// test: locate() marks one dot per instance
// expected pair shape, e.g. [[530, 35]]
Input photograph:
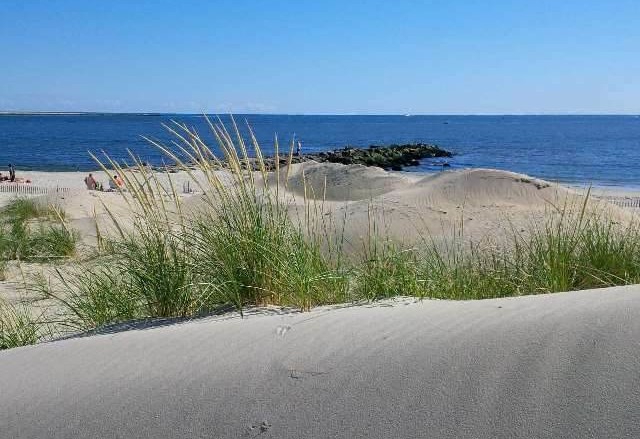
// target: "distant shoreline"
[[126, 113], [76, 113]]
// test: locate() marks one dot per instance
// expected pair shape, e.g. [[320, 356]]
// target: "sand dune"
[[562, 365], [336, 182], [487, 204], [404, 206]]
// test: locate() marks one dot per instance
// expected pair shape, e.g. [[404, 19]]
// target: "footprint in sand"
[[282, 330]]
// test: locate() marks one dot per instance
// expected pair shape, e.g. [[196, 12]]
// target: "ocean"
[[598, 150]]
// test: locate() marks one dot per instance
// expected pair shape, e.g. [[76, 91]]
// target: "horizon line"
[[153, 113]]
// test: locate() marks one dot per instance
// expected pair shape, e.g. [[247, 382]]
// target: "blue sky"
[[313, 57]]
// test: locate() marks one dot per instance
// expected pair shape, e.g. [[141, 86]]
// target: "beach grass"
[[242, 248], [33, 233], [18, 327], [25, 209], [571, 250]]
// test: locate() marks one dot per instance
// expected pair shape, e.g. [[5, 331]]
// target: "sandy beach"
[[549, 366], [407, 206]]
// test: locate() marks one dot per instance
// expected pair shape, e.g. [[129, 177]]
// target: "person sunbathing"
[[116, 183], [90, 182]]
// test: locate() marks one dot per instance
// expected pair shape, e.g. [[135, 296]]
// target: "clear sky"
[[329, 56]]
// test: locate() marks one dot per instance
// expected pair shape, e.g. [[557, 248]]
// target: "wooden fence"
[[27, 189], [627, 202]]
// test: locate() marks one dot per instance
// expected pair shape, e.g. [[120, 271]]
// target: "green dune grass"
[[30, 232]]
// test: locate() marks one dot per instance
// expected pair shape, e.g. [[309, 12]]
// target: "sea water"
[[598, 150]]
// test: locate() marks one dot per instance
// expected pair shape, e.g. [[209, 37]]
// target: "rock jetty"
[[389, 157]]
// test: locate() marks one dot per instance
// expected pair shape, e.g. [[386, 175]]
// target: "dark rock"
[[394, 157]]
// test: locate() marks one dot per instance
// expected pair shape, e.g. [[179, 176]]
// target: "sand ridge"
[[557, 365]]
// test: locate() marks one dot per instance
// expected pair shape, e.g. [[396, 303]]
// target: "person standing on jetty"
[[12, 173], [299, 148]]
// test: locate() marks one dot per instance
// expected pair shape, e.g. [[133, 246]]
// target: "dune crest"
[[337, 182], [536, 366]]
